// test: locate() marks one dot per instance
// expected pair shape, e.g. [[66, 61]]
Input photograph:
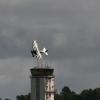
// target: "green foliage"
[[91, 94], [87, 94], [24, 97], [67, 94], [5, 99], [58, 96]]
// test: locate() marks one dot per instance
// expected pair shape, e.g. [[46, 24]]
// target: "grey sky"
[[70, 29]]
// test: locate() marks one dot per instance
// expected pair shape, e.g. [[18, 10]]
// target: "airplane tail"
[[44, 51]]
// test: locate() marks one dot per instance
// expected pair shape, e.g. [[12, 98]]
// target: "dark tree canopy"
[[24, 97], [5, 99], [88, 94], [67, 94]]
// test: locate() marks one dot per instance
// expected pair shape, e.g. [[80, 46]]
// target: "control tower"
[[42, 83]]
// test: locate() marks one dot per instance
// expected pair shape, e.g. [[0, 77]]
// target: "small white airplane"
[[36, 52]]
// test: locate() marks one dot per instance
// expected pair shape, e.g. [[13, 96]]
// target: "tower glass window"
[[37, 81], [37, 96], [37, 88]]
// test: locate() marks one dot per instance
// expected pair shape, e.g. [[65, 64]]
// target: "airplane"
[[36, 52]]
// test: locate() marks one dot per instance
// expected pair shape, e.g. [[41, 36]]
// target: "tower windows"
[[46, 87], [37, 82], [37, 88]]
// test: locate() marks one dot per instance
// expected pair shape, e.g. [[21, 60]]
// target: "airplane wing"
[[34, 45], [35, 48]]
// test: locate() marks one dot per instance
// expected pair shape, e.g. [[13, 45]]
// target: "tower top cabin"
[[42, 72]]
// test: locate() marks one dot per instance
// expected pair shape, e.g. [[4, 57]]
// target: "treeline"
[[67, 94], [88, 94], [5, 99], [22, 97]]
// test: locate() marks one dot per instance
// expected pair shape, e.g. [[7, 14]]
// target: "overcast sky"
[[70, 29]]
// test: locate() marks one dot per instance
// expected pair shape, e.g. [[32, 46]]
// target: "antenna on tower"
[[41, 64], [46, 64], [38, 63], [50, 63]]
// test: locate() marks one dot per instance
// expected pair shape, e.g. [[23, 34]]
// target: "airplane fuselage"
[[33, 52]]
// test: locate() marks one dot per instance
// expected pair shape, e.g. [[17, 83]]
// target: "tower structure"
[[42, 83]]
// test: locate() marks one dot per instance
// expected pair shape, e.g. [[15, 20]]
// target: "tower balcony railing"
[[44, 76], [52, 90]]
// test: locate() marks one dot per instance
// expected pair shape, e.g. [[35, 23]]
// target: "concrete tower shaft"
[[42, 83]]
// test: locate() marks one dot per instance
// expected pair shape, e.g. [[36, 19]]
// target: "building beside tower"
[[42, 83]]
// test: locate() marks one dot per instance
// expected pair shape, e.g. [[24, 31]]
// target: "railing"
[[55, 90], [42, 76]]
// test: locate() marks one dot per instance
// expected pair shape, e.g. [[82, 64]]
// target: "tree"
[[58, 96], [65, 90], [67, 94], [96, 93], [90, 94], [21, 97], [24, 97], [7, 99], [28, 96]]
